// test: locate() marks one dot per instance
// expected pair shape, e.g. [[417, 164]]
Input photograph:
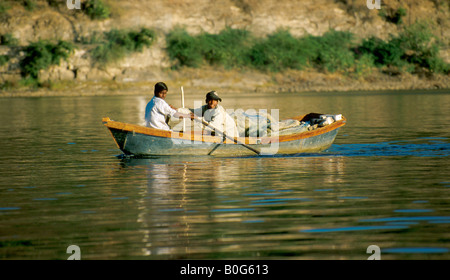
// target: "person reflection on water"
[[158, 109], [215, 115]]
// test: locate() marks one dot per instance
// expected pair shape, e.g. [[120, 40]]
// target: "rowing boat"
[[142, 141]]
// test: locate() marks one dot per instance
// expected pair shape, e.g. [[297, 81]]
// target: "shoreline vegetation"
[[235, 60]]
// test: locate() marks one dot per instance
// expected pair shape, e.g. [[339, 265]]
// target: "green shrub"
[[279, 51], [364, 65], [4, 7], [40, 55], [55, 3], [96, 9], [29, 82], [421, 47], [119, 43], [393, 16], [414, 46], [29, 5], [382, 52], [144, 38], [334, 51], [3, 59], [6, 85], [183, 47], [228, 48], [94, 38], [8, 40]]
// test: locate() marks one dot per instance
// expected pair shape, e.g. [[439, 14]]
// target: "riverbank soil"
[[240, 81]]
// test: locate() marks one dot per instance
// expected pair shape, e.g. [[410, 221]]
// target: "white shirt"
[[155, 113], [219, 119]]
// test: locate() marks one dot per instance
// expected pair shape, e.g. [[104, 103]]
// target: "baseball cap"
[[213, 95]]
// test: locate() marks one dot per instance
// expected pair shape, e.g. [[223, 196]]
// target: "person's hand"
[[186, 116], [209, 132]]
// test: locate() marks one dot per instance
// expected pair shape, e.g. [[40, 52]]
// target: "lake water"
[[385, 181]]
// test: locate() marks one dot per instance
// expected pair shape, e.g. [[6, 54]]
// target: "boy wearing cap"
[[215, 115], [157, 109]]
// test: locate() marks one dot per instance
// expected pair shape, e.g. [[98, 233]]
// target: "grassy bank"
[[414, 50], [240, 81]]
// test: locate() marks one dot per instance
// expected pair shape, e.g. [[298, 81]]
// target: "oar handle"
[[182, 106]]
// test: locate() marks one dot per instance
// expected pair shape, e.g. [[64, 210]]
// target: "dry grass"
[[201, 80]]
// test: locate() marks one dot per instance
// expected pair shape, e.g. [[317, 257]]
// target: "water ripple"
[[393, 148], [397, 219], [356, 228], [413, 210], [9, 208], [416, 250]]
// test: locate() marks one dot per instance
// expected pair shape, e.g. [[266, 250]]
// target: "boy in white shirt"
[[157, 109]]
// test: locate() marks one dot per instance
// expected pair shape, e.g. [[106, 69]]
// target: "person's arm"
[[181, 115], [167, 109]]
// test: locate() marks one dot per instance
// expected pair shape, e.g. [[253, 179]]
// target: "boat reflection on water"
[[188, 203]]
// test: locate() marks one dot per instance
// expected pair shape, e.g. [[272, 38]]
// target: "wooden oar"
[[226, 136], [182, 106], [215, 147]]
